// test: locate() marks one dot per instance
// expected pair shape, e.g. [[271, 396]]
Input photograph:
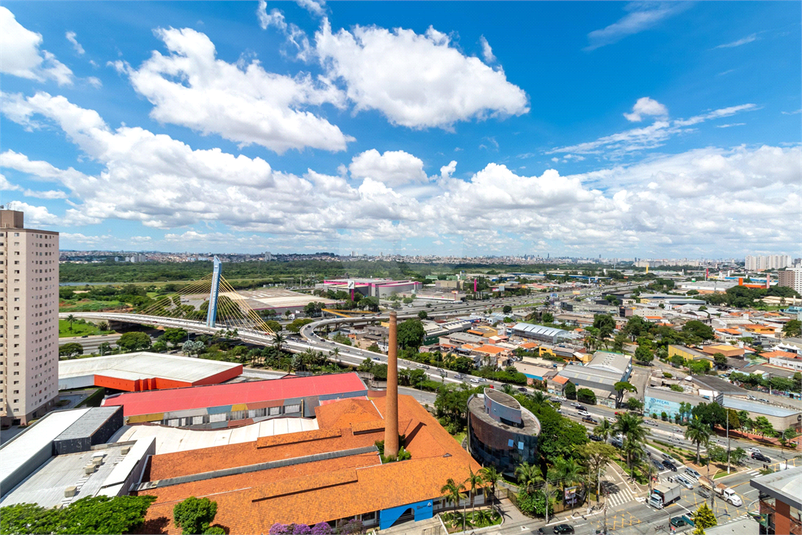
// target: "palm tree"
[[631, 427], [70, 319], [528, 476], [604, 429], [474, 480], [278, 341], [566, 473], [539, 397], [491, 476], [698, 433], [507, 389], [453, 492]]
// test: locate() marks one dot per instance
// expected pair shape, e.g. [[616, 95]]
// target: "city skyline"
[[626, 130]]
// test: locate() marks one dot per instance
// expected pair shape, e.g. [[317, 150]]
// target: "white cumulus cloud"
[[418, 81], [20, 54], [393, 168], [242, 103], [72, 38], [646, 106]]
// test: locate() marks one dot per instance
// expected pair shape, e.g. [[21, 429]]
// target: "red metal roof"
[[201, 397]]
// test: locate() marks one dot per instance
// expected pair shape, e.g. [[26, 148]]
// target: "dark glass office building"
[[501, 433]]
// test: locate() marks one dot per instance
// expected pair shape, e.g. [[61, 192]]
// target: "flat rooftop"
[[785, 485], [87, 424], [174, 439], [46, 485], [21, 449], [144, 365]]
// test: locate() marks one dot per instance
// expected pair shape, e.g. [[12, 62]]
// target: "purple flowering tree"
[[321, 528]]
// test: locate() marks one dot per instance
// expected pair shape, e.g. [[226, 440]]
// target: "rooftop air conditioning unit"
[[70, 491], [90, 469]]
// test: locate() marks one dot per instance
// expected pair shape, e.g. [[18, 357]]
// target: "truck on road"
[[664, 494], [724, 492]]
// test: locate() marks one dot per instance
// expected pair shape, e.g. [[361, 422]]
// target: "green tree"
[[175, 336], [586, 395], [604, 429], [595, 457], [566, 473], [620, 387], [71, 320], [194, 515], [92, 515], [719, 360], [529, 476], [506, 309], [273, 325], [295, 325], [422, 314], [634, 404], [491, 477], [605, 324], [453, 491], [698, 433], [473, 481], [134, 341], [570, 390], [411, 334], [704, 517], [630, 426], [644, 355], [70, 349], [697, 329], [793, 328], [764, 426]]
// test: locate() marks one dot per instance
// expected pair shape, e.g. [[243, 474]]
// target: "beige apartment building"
[[28, 320]]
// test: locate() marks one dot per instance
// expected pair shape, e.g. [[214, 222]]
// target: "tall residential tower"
[[28, 319]]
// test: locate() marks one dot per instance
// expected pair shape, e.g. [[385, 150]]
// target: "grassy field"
[[78, 329], [89, 305]]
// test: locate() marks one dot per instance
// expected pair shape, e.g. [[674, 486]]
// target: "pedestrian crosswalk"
[[753, 472], [621, 497]]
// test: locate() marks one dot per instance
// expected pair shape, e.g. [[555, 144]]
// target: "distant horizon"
[[110, 252], [463, 129]]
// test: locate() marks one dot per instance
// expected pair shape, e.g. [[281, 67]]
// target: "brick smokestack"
[[391, 404]]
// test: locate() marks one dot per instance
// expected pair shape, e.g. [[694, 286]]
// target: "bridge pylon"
[[211, 313]]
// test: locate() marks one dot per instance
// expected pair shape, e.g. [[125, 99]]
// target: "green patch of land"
[[79, 328]]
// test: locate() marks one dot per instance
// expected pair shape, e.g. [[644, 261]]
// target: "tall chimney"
[[391, 404]]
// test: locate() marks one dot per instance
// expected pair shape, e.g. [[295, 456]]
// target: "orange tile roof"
[[529, 345], [492, 350], [559, 379], [316, 491], [785, 354]]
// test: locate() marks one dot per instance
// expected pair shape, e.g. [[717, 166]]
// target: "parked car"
[[563, 528], [760, 457], [671, 466], [684, 481], [754, 450], [595, 438], [693, 473], [678, 522]]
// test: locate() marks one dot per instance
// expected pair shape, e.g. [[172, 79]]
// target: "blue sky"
[[621, 129]]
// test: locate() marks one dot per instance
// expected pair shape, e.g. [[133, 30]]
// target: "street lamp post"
[[728, 440]]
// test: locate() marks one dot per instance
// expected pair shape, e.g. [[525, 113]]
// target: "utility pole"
[[728, 440], [547, 499]]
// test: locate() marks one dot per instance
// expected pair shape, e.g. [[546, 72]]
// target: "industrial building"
[[501, 432], [544, 334], [380, 288], [64, 457], [226, 405], [28, 338], [600, 375], [659, 400], [136, 372]]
